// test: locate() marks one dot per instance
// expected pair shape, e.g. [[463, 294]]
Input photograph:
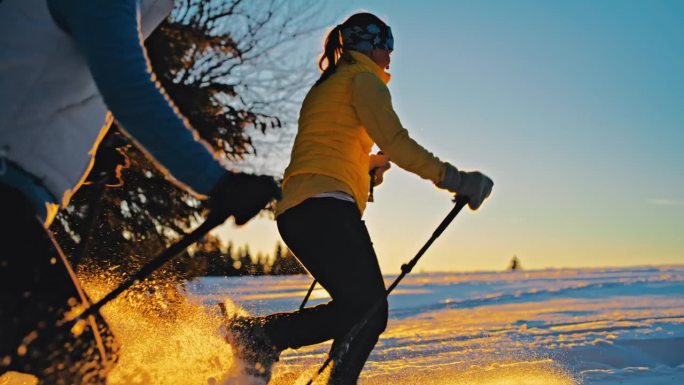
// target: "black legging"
[[329, 238], [36, 289]]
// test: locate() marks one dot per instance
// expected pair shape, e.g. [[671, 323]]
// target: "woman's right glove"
[[474, 185], [378, 164], [242, 196]]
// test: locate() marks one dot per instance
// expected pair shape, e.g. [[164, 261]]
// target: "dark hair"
[[333, 48]]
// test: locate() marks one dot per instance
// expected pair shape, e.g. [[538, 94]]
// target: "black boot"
[[252, 347]]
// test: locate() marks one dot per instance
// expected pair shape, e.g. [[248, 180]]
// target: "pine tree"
[[285, 263]]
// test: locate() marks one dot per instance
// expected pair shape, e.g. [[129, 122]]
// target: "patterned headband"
[[366, 38]]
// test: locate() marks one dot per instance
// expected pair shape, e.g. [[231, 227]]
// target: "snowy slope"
[[589, 326], [552, 327]]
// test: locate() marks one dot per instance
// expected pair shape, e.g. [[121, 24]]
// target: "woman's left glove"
[[474, 185], [242, 196]]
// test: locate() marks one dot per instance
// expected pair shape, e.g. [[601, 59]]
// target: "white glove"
[[474, 185]]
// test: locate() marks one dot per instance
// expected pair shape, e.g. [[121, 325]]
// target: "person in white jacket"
[[63, 65]]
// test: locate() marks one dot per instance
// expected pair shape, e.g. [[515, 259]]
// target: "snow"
[[573, 326]]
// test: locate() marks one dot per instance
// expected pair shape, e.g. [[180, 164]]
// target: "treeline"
[[215, 258]]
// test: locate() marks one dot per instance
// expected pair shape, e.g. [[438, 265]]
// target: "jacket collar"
[[365, 60]]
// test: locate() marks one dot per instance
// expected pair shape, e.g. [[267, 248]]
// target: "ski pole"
[[405, 269], [152, 266], [308, 294]]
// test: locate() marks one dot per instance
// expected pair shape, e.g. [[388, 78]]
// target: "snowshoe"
[[252, 348]]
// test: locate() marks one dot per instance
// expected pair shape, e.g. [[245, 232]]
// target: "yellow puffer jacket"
[[339, 122]]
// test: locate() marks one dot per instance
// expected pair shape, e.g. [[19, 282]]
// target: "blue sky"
[[573, 108]]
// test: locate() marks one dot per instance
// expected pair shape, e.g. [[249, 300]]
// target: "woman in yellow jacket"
[[325, 190]]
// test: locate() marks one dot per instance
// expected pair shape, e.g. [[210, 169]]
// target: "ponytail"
[[332, 50]]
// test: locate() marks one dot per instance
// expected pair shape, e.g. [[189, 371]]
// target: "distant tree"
[[260, 265], [234, 263], [276, 264], [212, 257], [245, 258], [285, 263], [515, 264], [217, 259]]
